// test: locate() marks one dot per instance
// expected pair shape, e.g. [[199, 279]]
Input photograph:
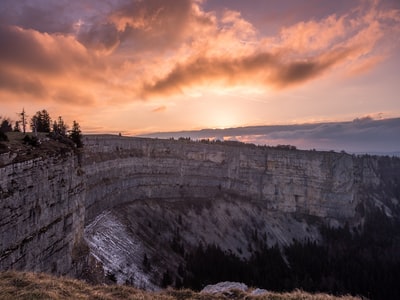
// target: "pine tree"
[[76, 134], [41, 121], [166, 280], [17, 127], [5, 125], [59, 127]]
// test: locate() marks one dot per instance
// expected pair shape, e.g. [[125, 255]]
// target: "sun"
[[222, 119]]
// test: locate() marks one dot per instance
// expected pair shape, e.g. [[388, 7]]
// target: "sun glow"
[[222, 119], [144, 66]]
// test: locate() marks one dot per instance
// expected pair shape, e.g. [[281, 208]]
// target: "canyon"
[[122, 201]]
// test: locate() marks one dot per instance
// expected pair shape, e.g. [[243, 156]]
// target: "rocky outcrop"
[[224, 287]]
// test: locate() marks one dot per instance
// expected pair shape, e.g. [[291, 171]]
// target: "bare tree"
[[23, 119]]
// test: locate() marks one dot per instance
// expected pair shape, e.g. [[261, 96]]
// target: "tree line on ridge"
[[41, 122]]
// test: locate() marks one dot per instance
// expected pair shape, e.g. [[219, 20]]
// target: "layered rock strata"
[[321, 184], [46, 202], [41, 214]]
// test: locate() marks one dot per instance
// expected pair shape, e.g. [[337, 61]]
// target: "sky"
[[141, 66], [359, 136]]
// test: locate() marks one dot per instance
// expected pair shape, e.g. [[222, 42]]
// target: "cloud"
[[364, 135], [139, 26], [37, 16], [152, 16], [365, 65], [102, 37], [159, 109], [303, 51], [308, 36], [14, 53], [122, 51], [266, 68], [22, 84], [66, 95], [41, 65]]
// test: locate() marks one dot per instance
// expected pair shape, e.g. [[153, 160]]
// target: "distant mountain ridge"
[[360, 136]]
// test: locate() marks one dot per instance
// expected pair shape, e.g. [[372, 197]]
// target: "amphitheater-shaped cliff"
[[119, 187], [329, 185]]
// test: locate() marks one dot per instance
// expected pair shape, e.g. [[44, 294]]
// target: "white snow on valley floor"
[[121, 255]]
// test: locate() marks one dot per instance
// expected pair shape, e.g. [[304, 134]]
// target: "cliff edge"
[[47, 201]]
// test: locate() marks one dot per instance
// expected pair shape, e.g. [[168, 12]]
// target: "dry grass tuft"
[[39, 286]]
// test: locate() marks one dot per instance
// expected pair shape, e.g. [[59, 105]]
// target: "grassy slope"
[[23, 152], [18, 285]]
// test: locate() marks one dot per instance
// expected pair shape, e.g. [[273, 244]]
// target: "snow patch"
[[120, 254]]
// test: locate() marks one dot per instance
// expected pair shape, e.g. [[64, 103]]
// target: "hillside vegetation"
[[21, 147], [18, 285]]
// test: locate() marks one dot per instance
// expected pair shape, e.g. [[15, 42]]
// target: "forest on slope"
[[347, 261]]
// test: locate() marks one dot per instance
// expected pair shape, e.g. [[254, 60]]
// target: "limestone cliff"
[[323, 184], [41, 214], [45, 202]]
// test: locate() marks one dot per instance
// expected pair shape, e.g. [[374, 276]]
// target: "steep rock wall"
[[321, 184], [41, 214], [45, 202], [196, 193]]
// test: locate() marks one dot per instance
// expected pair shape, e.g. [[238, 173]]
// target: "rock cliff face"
[[41, 214], [155, 198], [321, 184], [45, 203]]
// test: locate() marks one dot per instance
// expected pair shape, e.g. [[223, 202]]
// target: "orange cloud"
[[305, 37], [37, 64], [150, 48], [152, 24], [159, 109], [365, 65], [266, 68], [20, 84], [301, 52], [30, 50]]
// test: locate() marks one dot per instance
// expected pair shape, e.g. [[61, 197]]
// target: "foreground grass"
[[37, 286]]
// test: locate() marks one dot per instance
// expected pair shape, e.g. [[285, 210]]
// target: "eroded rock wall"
[[45, 202], [41, 214], [321, 184], [157, 197]]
